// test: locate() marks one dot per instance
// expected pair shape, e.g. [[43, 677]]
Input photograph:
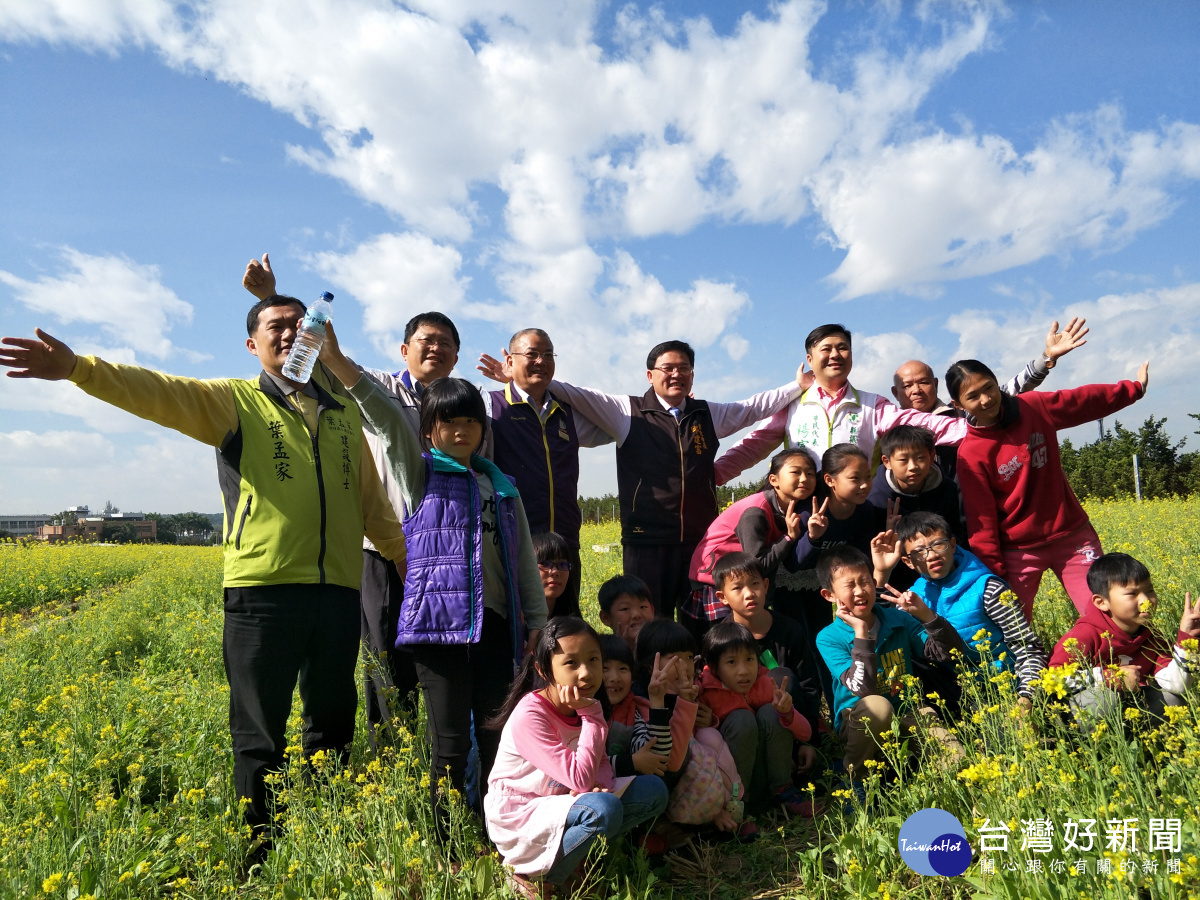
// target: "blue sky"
[[944, 178]]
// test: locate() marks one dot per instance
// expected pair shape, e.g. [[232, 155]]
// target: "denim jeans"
[[606, 814]]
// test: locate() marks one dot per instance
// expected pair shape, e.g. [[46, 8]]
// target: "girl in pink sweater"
[[551, 791]]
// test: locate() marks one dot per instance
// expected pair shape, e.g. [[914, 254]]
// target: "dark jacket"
[[665, 478], [542, 458]]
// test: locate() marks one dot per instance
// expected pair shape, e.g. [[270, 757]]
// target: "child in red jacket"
[[756, 716], [1120, 655], [1022, 516]]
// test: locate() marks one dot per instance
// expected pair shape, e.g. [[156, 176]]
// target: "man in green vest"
[[300, 491]]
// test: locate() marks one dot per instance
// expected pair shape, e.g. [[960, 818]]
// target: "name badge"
[[562, 433]]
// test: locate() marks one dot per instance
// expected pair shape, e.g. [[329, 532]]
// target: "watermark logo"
[[933, 842]]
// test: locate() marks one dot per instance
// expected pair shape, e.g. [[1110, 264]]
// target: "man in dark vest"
[[300, 490], [535, 439], [666, 445], [430, 352]]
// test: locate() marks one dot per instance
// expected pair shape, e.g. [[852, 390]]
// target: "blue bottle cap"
[[327, 297]]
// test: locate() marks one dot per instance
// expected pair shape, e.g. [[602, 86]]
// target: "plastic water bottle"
[[309, 338]]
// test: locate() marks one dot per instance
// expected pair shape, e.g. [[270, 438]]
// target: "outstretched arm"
[[752, 449], [203, 410]]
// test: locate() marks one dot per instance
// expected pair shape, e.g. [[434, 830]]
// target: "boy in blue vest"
[[869, 649], [954, 584]]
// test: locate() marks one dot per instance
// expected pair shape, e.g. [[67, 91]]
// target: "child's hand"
[[648, 761], [660, 676], [1124, 678], [886, 551], [492, 368], [859, 626], [818, 521], [1189, 622], [782, 700], [570, 698], [892, 514], [724, 821], [704, 716], [910, 603], [806, 757], [683, 680], [793, 521]]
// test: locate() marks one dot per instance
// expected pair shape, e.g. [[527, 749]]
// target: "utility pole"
[[1137, 479]]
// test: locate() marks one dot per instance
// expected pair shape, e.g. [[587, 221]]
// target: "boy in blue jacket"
[[954, 584], [869, 649]]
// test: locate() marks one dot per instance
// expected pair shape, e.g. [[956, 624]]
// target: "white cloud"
[[126, 301], [49, 471], [396, 276], [878, 356], [418, 107]]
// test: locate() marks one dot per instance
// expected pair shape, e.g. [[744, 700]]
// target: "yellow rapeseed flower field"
[[115, 769]]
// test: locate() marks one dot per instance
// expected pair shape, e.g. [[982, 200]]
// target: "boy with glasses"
[[955, 585]]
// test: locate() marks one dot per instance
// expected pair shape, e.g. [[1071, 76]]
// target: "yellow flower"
[[52, 884]]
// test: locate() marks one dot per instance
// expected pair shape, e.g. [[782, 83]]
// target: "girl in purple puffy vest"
[[473, 598]]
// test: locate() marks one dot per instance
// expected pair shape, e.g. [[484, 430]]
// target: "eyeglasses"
[[556, 565], [436, 343], [936, 547], [533, 355], [674, 370]]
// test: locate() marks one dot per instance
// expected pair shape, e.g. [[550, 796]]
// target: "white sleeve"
[[609, 413], [1176, 675], [729, 418]]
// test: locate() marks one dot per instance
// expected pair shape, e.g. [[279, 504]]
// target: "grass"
[[115, 769]]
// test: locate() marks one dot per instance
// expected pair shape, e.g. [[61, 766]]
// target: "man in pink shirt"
[[830, 412]]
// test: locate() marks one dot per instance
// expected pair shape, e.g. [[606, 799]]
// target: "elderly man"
[[535, 439], [916, 387], [430, 352], [300, 491]]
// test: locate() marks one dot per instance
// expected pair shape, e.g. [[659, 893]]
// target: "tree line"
[[1102, 469]]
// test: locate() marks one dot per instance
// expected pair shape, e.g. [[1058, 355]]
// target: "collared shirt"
[[304, 399], [547, 400], [676, 411], [828, 401]]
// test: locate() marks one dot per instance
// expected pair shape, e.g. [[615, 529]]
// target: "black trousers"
[[664, 568], [274, 635], [389, 676], [458, 680]]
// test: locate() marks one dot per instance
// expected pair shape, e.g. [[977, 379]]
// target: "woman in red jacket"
[[1022, 516]]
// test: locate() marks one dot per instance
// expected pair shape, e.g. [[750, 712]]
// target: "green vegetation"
[[115, 772]]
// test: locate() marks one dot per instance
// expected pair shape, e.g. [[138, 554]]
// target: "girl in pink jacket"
[[551, 791]]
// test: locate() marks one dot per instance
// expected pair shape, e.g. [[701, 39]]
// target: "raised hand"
[[893, 514], [1060, 343], [857, 624], [660, 675], [886, 551], [793, 521], [493, 368], [804, 377], [649, 761], [683, 681], [781, 699], [1143, 376], [334, 360], [1189, 622], [46, 358], [911, 603], [259, 279], [818, 521], [569, 697]]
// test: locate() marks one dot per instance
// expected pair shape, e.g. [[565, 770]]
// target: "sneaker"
[[653, 844], [796, 804]]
